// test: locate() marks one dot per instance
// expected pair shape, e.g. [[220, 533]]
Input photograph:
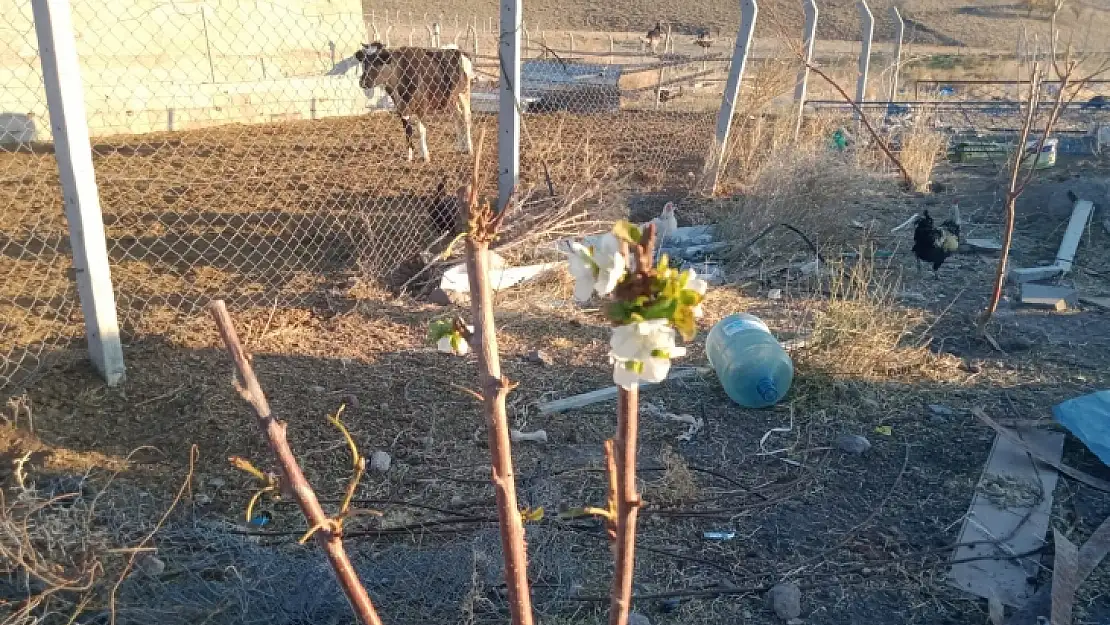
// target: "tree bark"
[[293, 481], [628, 505], [494, 388]]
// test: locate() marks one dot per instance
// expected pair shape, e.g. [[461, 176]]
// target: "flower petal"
[[444, 345], [624, 377]]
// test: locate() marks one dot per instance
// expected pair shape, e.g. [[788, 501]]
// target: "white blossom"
[[642, 352], [596, 270], [699, 286], [454, 343], [581, 266], [610, 264]]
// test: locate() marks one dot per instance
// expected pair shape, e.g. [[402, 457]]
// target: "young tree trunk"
[[628, 505], [293, 481], [494, 388]]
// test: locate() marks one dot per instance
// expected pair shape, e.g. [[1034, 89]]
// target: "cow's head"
[[374, 58]]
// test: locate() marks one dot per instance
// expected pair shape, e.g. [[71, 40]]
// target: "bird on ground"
[[932, 244], [665, 224]]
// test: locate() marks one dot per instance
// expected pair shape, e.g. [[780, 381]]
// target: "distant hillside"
[[990, 24]]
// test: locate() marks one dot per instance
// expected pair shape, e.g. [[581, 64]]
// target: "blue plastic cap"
[[767, 390]]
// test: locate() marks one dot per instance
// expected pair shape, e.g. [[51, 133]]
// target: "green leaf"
[[618, 311], [627, 231], [662, 309], [439, 329]]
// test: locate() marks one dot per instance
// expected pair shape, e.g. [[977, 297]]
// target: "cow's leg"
[[408, 135], [423, 141], [462, 121]]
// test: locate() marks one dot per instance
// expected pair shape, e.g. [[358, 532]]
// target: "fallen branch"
[[293, 481]]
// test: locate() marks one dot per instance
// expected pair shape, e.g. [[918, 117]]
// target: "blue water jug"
[[749, 361]]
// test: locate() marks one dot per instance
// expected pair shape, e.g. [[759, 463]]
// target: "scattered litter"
[[996, 612], [941, 410], [380, 461], [455, 279], [1050, 297], [786, 600], [539, 357], [763, 451], [604, 394], [912, 296], [539, 436], [1029, 274], [870, 225], [905, 224], [695, 424], [1065, 574], [885, 430], [262, 519], [316, 389], [1087, 417], [1013, 500], [774, 294], [853, 443], [718, 535]]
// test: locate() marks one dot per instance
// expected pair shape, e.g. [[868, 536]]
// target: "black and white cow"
[[421, 81]]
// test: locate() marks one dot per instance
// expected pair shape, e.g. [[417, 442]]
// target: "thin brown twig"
[[292, 479], [194, 452]]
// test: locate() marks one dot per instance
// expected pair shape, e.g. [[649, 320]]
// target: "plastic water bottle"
[[750, 363]]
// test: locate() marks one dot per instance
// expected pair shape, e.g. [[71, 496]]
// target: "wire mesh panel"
[[39, 310]]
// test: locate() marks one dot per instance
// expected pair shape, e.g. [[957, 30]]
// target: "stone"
[[150, 564], [539, 357], [351, 400], [216, 482], [635, 618], [786, 600], [853, 443], [775, 294], [448, 298], [316, 389], [380, 461]]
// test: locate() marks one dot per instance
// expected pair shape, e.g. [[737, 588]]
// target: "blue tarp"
[[1088, 418]]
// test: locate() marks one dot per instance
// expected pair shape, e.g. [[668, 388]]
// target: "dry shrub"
[[807, 189], [677, 484], [860, 331], [922, 145]]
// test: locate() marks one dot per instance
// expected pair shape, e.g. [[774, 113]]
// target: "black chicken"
[[932, 244]]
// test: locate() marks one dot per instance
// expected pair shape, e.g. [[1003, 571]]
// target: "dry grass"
[[922, 145]]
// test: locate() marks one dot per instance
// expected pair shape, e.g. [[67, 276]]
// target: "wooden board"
[[990, 519]]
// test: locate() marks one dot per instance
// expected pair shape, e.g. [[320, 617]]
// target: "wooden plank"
[[1044, 296], [1020, 504], [1035, 273], [1080, 215]]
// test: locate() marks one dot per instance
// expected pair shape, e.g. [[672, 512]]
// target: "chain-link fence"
[[238, 156]]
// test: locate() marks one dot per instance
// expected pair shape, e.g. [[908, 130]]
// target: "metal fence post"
[[508, 116], [73, 151], [867, 31], [810, 8], [749, 10], [899, 33]]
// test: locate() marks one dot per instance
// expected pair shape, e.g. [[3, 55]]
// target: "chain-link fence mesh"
[[238, 156]]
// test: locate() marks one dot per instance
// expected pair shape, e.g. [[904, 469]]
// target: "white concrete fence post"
[[810, 9], [867, 32], [899, 35], [749, 11], [73, 151], [508, 115]]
